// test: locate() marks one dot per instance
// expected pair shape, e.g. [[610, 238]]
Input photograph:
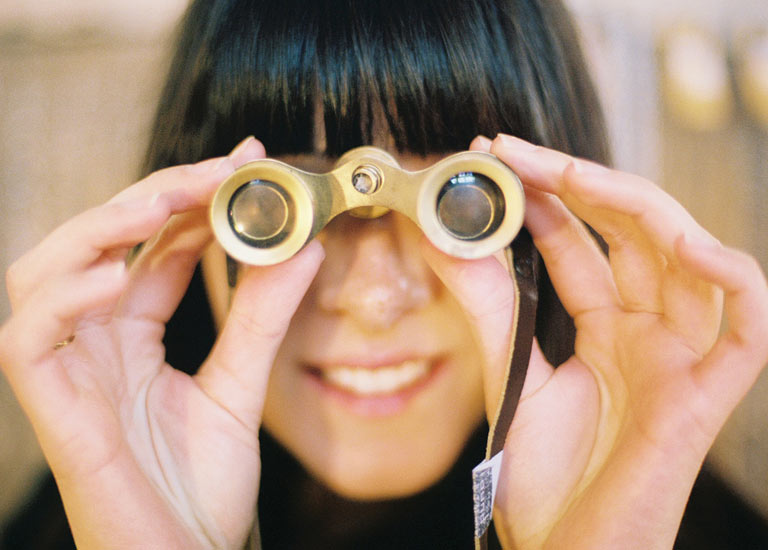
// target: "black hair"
[[435, 72], [439, 71]]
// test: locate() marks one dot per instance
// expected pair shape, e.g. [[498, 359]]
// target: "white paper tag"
[[485, 479]]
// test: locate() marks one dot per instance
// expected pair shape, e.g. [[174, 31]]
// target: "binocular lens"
[[470, 206], [261, 214]]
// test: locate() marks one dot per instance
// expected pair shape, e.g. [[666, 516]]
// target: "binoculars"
[[469, 205]]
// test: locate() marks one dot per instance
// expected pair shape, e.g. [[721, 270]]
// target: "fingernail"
[[483, 142], [240, 147], [514, 142], [589, 168]]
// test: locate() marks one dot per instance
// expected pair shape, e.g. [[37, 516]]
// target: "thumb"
[[486, 293], [236, 373]]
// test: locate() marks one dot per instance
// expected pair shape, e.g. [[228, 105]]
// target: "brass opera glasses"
[[468, 205]]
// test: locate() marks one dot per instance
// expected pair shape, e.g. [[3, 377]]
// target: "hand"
[[144, 455], [604, 449]]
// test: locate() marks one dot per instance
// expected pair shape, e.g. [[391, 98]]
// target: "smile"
[[384, 380]]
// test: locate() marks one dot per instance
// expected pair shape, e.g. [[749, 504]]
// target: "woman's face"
[[377, 385]]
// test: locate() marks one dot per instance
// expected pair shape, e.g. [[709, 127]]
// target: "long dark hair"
[[436, 72]]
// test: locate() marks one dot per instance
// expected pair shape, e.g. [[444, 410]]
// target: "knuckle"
[[746, 261], [751, 271], [257, 325], [622, 236], [755, 270]]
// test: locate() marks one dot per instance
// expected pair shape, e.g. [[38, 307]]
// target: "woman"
[[604, 449]]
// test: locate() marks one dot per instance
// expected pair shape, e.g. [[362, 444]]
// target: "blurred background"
[[684, 85]]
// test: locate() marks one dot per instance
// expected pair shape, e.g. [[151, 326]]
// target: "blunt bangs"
[[433, 74]]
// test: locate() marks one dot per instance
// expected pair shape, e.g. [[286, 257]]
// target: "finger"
[[636, 265], [116, 226], [590, 190], [246, 151], [52, 314], [575, 263], [639, 222], [732, 366], [659, 216], [537, 167], [577, 267], [481, 143], [194, 183], [83, 240], [236, 373], [642, 240], [486, 293], [161, 273], [131, 217]]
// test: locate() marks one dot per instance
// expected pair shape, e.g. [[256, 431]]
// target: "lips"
[[375, 387]]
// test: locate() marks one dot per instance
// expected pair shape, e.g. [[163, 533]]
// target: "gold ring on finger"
[[64, 343]]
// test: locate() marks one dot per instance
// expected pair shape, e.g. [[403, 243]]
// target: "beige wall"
[[77, 94], [78, 82]]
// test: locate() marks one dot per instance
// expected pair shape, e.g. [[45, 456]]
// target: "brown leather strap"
[[522, 258]]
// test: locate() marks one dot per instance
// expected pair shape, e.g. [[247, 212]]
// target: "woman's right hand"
[[144, 455]]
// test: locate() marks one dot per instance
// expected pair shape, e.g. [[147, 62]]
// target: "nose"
[[373, 271]]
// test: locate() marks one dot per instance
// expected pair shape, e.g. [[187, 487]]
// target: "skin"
[[602, 452]]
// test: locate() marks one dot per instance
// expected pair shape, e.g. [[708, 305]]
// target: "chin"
[[368, 484]]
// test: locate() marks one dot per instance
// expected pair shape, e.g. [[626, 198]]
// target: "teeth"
[[378, 381]]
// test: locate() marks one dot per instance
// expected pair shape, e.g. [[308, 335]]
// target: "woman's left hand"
[[604, 449]]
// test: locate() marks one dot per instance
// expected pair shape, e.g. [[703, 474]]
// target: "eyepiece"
[[470, 206], [261, 213]]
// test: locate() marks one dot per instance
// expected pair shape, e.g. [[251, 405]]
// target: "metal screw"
[[366, 179]]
